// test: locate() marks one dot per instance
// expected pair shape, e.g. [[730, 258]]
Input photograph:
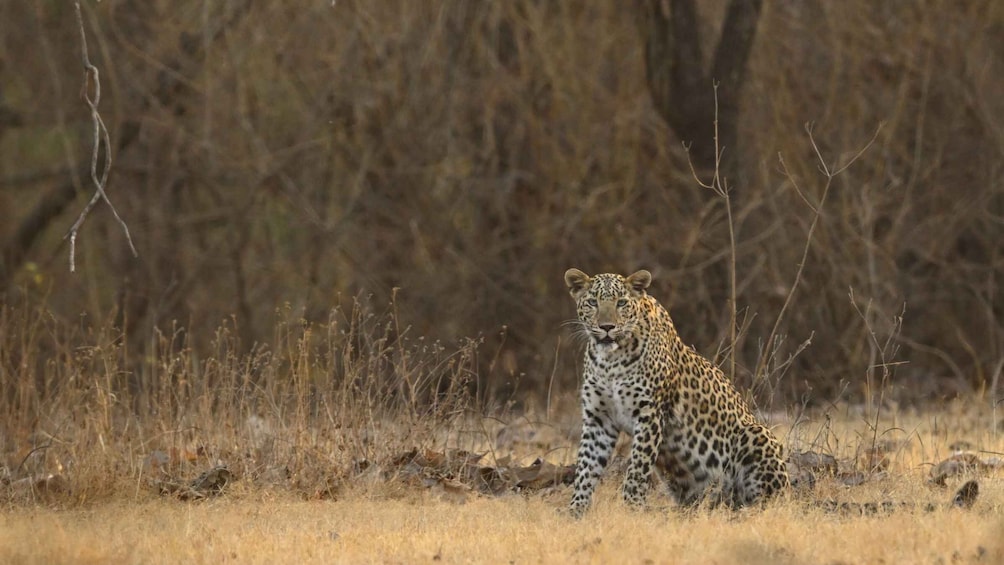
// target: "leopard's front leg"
[[645, 441], [595, 449]]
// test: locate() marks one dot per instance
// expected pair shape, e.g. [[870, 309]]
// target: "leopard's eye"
[[590, 302], [622, 303]]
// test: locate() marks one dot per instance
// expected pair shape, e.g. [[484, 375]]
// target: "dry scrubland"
[[445, 162], [309, 428]]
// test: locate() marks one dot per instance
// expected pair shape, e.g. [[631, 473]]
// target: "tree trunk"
[[682, 89]]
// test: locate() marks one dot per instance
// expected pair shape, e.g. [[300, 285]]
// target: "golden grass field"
[[417, 529], [340, 443], [390, 521]]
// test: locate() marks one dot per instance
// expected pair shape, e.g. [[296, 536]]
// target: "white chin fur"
[[607, 347]]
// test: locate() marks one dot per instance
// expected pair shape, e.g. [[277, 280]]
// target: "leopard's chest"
[[617, 392]]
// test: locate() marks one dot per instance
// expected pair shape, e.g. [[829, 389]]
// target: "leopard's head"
[[610, 307]]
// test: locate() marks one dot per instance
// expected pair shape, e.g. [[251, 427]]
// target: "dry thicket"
[[312, 407], [288, 156]]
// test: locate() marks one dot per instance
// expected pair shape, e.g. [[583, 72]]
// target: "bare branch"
[[817, 213], [719, 184], [100, 137], [861, 152], [794, 184], [693, 171]]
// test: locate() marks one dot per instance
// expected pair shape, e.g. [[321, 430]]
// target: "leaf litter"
[[454, 475]]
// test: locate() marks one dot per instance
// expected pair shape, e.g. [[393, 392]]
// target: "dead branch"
[[830, 172], [100, 137], [719, 184]]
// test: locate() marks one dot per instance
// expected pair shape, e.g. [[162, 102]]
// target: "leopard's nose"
[[608, 327]]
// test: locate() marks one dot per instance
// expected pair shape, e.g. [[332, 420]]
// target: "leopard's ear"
[[577, 282], [639, 281]]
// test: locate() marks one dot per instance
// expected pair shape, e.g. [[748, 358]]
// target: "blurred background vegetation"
[[278, 158]]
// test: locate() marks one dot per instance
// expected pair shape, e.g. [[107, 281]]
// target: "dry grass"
[[270, 156], [294, 420], [367, 527], [513, 530]]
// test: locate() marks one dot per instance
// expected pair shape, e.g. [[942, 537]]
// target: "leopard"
[[682, 414]]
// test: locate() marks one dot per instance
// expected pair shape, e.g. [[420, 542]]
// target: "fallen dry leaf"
[[541, 474], [207, 484], [441, 470], [853, 478], [44, 484], [804, 465], [814, 461], [962, 463], [966, 496], [433, 465], [452, 491]]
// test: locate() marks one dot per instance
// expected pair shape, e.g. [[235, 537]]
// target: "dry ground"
[[362, 529], [388, 522]]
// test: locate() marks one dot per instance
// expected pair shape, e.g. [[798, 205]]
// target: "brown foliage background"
[[301, 153]]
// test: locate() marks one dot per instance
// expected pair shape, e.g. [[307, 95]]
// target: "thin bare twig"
[[885, 352], [100, 136], [720, 185], [830, 173]]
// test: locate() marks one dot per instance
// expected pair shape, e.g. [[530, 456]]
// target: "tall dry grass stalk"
[[308, 404]]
